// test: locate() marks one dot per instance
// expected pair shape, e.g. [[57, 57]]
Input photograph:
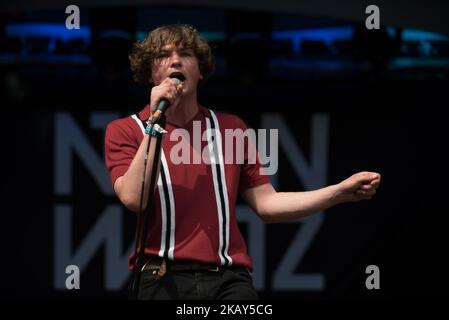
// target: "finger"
[[173, 97], [176, 81], [173, 90], [372, 185], [366, 176], [366, 192], [375, 184], [169, 96], [165, 82], [178, 89], [376, 177], [175, 93], [170, 85], [366, 187], [170, 80]]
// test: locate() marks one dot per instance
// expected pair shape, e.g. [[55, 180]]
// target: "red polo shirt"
[[193, 213]]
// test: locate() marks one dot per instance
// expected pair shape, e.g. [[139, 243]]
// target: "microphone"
[[163, 105]]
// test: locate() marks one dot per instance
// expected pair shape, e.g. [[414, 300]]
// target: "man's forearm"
[[289, 206], [130, 186]]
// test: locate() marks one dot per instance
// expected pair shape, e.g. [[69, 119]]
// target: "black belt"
[[155, 263]]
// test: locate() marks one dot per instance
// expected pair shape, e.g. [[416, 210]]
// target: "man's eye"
[[186, 54], [162, 55]]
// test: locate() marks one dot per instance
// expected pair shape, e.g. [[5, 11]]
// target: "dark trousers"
[[226, 284]]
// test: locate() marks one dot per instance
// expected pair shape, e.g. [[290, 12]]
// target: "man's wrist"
[[336, 194]]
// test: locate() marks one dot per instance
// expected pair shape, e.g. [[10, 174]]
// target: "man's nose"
[[175, 59]]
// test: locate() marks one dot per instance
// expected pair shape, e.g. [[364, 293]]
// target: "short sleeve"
[[120, 149], [252, 171]]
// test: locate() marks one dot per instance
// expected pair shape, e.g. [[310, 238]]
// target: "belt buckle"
[[153, 264], [214, 269]]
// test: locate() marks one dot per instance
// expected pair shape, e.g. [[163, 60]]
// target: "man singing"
[[193, 248]]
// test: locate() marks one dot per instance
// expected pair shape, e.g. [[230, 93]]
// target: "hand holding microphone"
[[163, 96]]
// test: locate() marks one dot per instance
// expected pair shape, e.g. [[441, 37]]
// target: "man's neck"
[[184, 111]]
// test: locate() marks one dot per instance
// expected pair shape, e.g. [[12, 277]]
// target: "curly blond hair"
[[144, 52]]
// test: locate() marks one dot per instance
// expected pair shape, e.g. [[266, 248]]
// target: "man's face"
[[179, 63]]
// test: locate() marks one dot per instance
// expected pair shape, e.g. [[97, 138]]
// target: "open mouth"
[[178, 75]]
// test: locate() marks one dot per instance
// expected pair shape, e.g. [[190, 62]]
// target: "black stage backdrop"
[[59, 209]]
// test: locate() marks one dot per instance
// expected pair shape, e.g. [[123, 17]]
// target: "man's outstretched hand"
[[359, 186]]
